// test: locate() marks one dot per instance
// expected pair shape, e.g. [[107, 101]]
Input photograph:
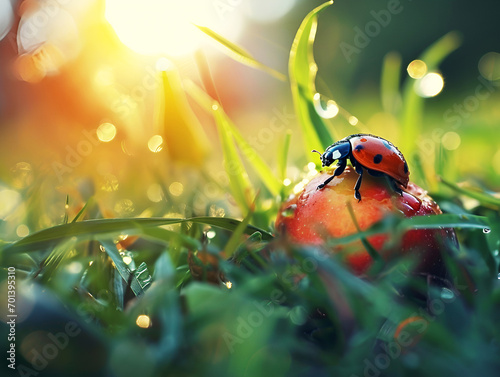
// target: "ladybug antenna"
[[315, 151]]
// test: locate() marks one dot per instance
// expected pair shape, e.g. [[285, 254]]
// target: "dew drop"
[[289, 211], [498, 276], [447, 294], [486, 230], [326, 108]]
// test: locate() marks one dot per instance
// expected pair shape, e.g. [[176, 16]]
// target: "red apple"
[[313, 216]]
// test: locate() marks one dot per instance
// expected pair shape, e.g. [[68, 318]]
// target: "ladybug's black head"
[[336, 151]]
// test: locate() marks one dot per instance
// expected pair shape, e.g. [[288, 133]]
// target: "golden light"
[[143, 321], [22, 230], [353, 120], [417, 69], [74, 267], [451, 140], [106, 132], [287, 181], [155, 144], [430, 85], [228, 284], [155, 193], [127, 260], [154, 27], [176, 188], [9, 200]]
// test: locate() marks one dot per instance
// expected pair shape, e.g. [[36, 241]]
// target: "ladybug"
[[378, 156]]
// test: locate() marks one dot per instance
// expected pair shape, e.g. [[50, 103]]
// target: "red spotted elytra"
[[376, 155]]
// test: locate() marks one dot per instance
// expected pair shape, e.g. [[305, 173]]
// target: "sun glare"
[[153, 27]]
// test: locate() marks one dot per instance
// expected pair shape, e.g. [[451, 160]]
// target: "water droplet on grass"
[[486, 230], [289, 211], [447, 294]]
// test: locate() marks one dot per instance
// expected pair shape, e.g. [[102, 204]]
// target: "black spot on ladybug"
[[377, 158], [358, 148], [405, 167]]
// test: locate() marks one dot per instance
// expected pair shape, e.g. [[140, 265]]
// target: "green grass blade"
[[256, 162], [239, 54], [80, 212], [283, 156], [394, 225], [302, 77], [136, 285], [413, 104], [389, 88], [235, 240], [89, 229], [239, 183], [481, 197], [66, 206]]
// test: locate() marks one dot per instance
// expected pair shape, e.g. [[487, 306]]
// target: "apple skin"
[[313, 216]]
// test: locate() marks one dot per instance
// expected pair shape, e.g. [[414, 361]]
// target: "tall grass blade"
[[239, 54], [302, 71]]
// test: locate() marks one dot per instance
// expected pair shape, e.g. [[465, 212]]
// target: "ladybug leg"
[[340, 169], [359, 170], [395, 186]]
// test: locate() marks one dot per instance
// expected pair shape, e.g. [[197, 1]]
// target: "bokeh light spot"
[[489, 66], [417, 69], [163, 64], [74, 267], [430, 85], [155, 193], [9, 200], [353, 120], [22, 230], [143, 321], [176, 188], [106, 132], [109, 183], [451, 140], [155, 144]]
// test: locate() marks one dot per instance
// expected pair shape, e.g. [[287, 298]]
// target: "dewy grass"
[[282, 309]]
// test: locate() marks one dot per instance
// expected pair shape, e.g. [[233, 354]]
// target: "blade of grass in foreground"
[[302, 70], [137, 285], [481, 197], [394, 225], [239, 54], [89, 229]]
